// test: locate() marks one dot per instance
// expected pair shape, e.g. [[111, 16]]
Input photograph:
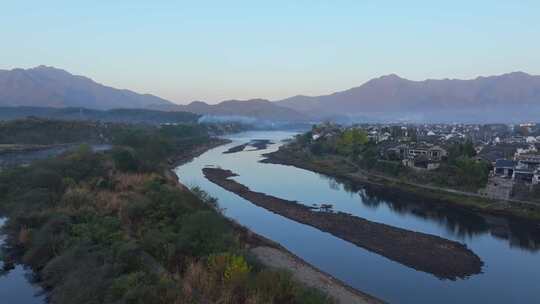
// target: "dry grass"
[[105, 201], [202, 285], [110, 201], [125, 182], [196, 279], [76, 199], [24, 236]]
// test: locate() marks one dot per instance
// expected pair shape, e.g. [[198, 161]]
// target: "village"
[[511, 152]]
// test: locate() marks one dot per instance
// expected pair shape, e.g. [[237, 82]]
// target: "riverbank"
[[340, 169], [186, 156], [275, 256], [413, 249], [310, 276]]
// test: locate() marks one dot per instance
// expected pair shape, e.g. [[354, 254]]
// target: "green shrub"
[[274, 286], [104, 231], [312, 296], [125, 160], [231, 268], [204, 233]]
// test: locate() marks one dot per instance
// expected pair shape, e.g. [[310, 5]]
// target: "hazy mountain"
[[255, 108], [50, 87], [508, 97], [504, 98]]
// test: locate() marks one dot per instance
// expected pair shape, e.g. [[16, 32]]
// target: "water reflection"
[[458, 222], [508, 248], [17, 283]]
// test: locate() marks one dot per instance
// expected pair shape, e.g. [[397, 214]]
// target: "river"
[[16, 286], [509, 249]]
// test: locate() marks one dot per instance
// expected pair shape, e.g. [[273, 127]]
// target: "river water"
[[15, 286], [510, 250]]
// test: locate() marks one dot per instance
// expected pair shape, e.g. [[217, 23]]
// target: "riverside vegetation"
[[113, 227], [350, 155]]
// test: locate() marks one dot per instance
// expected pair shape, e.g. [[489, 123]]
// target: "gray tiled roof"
[[505, 163]]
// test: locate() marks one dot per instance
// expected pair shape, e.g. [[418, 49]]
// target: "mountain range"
[[45, 86], [512, 96], [503, 98]]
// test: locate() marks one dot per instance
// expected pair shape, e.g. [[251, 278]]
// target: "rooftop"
[[507, 163]]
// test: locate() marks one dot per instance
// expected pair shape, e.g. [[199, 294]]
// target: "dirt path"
[[308, 275]]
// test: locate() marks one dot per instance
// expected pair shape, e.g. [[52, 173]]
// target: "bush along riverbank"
[[443, 258], [341, 168], [112, 227]]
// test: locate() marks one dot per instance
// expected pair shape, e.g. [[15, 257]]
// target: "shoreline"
[[181, 159], [528, 212], [274, 255], [412, 249]]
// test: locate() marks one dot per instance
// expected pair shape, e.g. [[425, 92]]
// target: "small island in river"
[[428, 253], [257, 144]]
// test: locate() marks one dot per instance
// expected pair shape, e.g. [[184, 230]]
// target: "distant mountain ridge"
[[45, 86], [254, 108], [509, 97], [513, 95]]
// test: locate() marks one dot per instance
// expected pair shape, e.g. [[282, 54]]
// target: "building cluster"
[[417, 155], [512, 150], [523, 168]]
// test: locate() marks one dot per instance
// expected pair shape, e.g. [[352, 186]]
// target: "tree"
[[125, 160], [204, 233], [413, 134], [458, 150], [351, 142]]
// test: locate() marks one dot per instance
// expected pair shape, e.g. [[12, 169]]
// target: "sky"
[[219, 50]]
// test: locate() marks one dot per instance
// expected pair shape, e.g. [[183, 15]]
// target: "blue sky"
[[216, 50]]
